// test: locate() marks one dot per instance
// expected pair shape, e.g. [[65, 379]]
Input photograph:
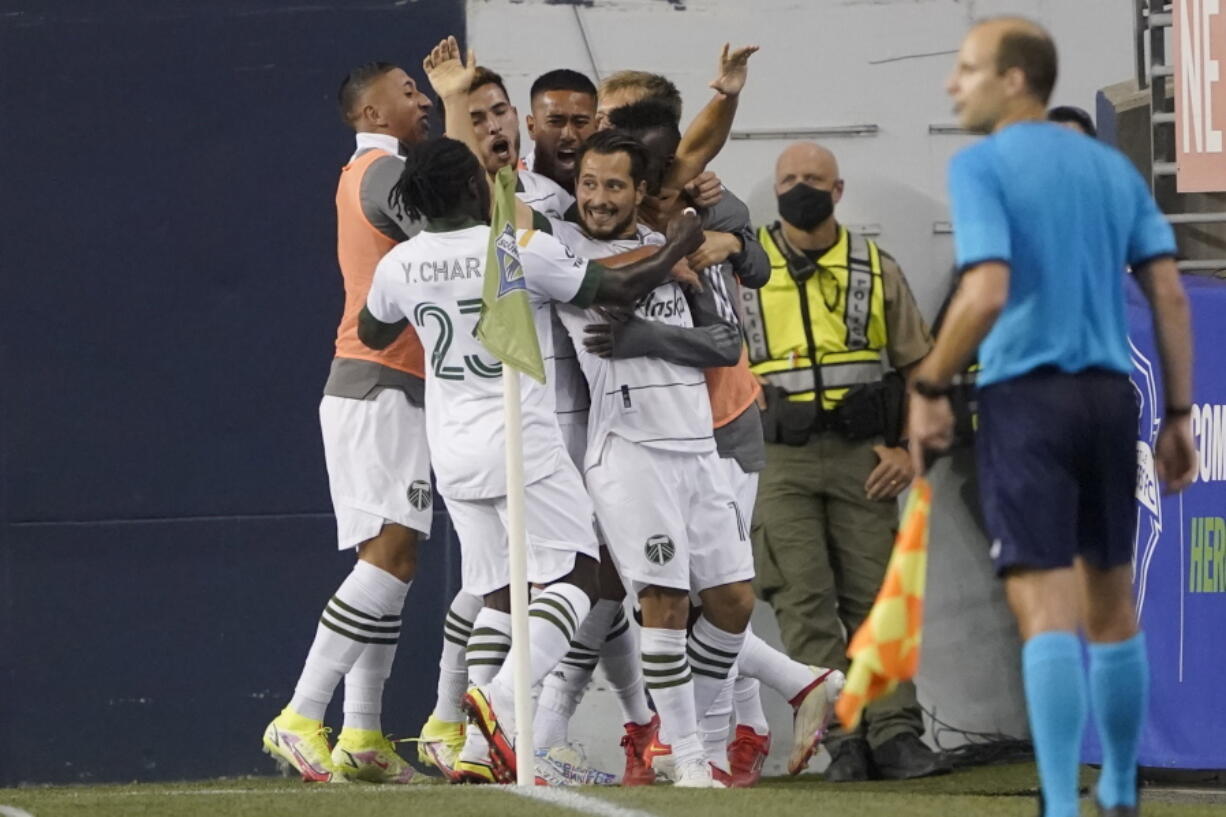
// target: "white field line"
[[576, 802], [13, 811]]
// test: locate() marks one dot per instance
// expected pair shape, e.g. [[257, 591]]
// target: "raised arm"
[[708, 133], [451, 77]]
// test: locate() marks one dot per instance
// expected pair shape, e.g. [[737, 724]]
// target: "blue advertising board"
[[1179, 564]]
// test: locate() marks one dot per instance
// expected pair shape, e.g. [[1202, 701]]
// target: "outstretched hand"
[[449, 74], [733, 69]]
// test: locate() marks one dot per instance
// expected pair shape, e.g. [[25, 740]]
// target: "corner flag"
[[886, 648], [506, 327]]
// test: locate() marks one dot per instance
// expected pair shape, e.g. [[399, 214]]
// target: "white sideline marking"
[[574, 801], [13, 811]]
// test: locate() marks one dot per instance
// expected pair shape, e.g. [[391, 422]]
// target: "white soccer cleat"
[[812, 716], [696, 774]]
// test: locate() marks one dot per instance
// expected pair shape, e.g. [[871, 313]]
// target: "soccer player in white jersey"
[[496, 122], [378, 464], [442, 738], [435, 281], [650, 447]]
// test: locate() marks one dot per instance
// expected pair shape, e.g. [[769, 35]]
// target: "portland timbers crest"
[[510, 271], [659, 549], [419, 494]]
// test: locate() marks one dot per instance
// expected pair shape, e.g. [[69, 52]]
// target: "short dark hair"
[[1071, 113], [562, 79], [485, 76], [610, 141], [654, 86], [434, 182], [1031, 50], [357, 81], [644, 115]]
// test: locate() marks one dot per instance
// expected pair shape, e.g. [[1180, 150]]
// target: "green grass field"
[[996, 790]]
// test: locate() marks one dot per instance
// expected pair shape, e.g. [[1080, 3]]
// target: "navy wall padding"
[[168, 299]]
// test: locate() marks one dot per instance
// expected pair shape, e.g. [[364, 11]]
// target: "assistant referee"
[[1046, 221]]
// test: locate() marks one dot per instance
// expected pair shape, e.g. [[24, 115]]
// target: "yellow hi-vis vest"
[[844, 302]]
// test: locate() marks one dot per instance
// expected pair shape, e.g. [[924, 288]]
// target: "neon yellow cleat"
[[362, 754], [473, 771], [440, 744], [302, 744]]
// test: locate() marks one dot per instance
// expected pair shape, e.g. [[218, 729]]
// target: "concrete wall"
[[828, 63]]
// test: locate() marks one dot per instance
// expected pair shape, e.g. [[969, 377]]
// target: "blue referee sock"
[[1119, 689], [1056, 702]]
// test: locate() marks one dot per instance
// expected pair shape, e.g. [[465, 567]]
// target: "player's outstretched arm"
[[625, 285], [713, 340], [708, 133]]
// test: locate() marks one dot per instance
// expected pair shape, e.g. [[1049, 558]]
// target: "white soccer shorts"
[[378, 465], [557, 517], [671, 519], [744, 487]]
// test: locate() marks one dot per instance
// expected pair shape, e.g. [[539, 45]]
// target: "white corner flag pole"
[[521, 655]]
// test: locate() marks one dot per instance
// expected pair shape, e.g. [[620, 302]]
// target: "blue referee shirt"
[[1067, 214]]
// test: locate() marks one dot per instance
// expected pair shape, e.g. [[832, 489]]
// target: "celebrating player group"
[[640, 449]]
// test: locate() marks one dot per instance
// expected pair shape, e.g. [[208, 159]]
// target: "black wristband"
[[931, 391], [1175, 412]]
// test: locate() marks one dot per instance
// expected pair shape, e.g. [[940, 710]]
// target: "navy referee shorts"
[[1057, 459]]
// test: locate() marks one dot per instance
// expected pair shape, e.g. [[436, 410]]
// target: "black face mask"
[[805, 207]]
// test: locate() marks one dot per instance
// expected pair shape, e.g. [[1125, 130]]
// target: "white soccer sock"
[[365, 680], [714, 725], [667, 672], [488, 645], [619, 657], [452, 665], [365, 611], [553, 619], [747, 703], [762, 661], [712, 653], [563, 688]]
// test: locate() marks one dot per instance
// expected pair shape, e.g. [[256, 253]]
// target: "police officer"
[[831, 336]]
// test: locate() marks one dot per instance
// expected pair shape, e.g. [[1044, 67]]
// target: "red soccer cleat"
[[637, 741], [746, 754]]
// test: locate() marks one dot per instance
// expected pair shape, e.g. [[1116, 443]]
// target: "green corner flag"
[[506, 327]]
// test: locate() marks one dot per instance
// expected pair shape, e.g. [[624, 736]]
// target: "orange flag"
[[886, 648]]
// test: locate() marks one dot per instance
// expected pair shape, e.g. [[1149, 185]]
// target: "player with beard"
[[563, 117], [650, 436], [496, 123], [731, 253]]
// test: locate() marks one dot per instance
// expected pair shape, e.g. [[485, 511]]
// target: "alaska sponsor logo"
[[1207, 555], [659, 549], [420, 495], [654, 307], [1209, 432]]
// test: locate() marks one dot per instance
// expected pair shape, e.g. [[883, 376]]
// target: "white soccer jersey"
[[543, 194], [435, 280], [645, 400]]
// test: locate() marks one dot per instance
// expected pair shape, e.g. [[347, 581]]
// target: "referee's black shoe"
[[850, 761], [905, 756]]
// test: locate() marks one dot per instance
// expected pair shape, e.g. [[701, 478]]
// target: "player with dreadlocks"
[[434, 283]]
